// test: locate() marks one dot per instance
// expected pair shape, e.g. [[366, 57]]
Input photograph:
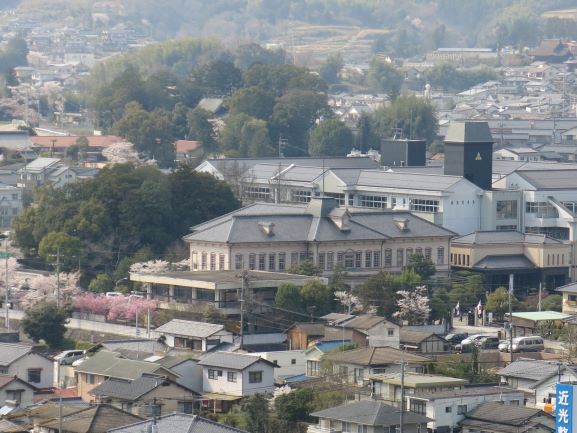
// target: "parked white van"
[[528, 344]]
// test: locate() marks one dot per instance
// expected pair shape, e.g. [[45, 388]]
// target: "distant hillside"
[[405, 28]]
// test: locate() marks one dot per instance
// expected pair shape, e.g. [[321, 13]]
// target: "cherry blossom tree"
[[113, 307], [43, 288], [151, 267], [413, 306], [351, 302], [122, 152]]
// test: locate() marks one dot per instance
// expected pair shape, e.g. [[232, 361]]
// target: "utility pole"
[[7, 294], [58, 276], [511, 285], [540, 288], [402, 415], [244, 277]]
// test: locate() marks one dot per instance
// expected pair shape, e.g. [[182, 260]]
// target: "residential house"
[[387, 386], [10, 204], [551, 50], [288, 362], [537, 378], [357, 365], [423, 342], [177, 422], [134, 396], [199, 336], [498, 417], [37, 172], [531, 258], [569, 293], [301, 336], [533, 322], [447, 408], [28, 365], [187, 368], [366, 416], [104, 365], [314, 355], [518, 154], [366, 330], [228, 376], [191, 290], [94, 419], [14, 389], [274, 237]]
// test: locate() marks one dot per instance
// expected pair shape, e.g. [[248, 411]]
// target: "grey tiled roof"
[[110, 364], [515, 261], [507, 237], [364, 322], [466, 392], [551, 179], [415, 181], [235, 361], [496, 411], [530, 369], [10, 352], [127, 389], [181, 423], [408, 336], [294, 223], [189, 328], [568, 288], [374, 356], [368, 412]]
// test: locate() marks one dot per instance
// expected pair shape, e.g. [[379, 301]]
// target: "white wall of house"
[[446, 412], [238, 381], [384, 334], [17, 391], [33, 361], [290, 362]]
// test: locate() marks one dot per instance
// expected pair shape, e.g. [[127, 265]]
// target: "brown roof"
[[415, 337], [184, 146], [364, 322], [310, 329], [550, 47], [369, 356], [69, 140]]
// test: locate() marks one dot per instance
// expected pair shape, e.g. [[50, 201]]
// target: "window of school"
[[422, 205]]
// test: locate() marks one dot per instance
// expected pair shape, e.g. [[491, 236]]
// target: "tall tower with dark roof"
[[469, 152]]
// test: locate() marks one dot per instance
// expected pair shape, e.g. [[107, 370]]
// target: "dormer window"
[[267, 228], [402, 224]]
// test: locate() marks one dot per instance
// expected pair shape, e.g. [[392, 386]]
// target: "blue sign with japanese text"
[[564, 409]]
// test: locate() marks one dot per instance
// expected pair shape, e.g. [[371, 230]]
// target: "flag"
[[479, 309], [458, 308]]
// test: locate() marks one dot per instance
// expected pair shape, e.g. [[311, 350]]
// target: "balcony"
[[318, 429]]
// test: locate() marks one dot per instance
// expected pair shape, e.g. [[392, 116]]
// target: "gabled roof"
[[189, 328], [466, 392], [233, 361], [178, 422], [416, 337], [513, 261], [130, 390], [110, 364], [364, 322], [11, 352], [95, 419], [327, 346], [567, 288], [500, 413], [530, 370], [369, 356], [401, 180], [368, 412], [6, 379]]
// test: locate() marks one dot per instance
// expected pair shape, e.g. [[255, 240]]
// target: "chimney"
[[469, 152], [402, 224], [267, 228]]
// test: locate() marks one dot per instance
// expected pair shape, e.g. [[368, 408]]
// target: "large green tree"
[[384, 77], [45, 321], [330, 137], [62, 250], [252, 101], [415, 117], [498, 302]]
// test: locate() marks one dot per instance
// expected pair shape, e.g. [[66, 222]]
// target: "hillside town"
[[288, 221]]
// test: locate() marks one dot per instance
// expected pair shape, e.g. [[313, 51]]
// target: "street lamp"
[[116, 283]]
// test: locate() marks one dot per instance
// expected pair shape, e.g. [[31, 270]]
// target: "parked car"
[[503, 346], [465, 345], [528, 344], [456, 338], [69, 356], [487, 343]]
